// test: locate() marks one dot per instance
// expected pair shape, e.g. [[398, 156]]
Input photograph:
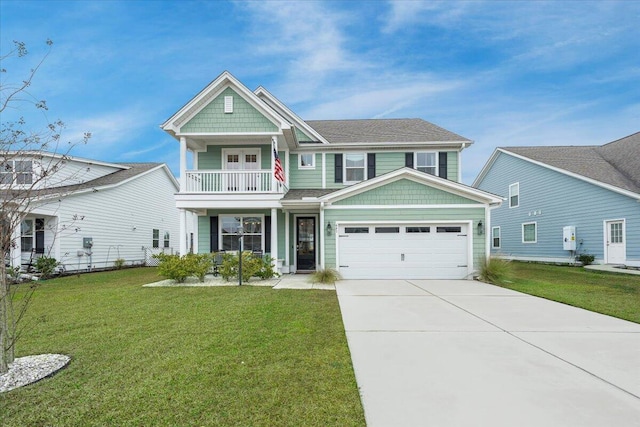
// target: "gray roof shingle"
[[616, 163], [299, 194], [382, 131]]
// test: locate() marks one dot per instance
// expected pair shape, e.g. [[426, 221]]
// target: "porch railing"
[[232, 181]]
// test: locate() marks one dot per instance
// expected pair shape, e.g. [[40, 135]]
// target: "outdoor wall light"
[[480, 228], [329, 229]]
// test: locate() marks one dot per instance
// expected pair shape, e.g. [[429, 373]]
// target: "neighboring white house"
[[89, 213]]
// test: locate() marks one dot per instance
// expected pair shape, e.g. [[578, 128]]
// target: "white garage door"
[[413, 251]]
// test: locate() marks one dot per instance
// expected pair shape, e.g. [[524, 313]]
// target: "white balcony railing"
[[232, 181]]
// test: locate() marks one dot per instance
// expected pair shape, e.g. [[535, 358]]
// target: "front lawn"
[[614, 294], [215, 356]]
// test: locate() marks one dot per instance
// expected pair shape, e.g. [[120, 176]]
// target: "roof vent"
[[228, 104]]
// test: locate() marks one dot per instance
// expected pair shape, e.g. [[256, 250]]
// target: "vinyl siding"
[[305, 178], [212, 158], [405, 192], [555, 200], [110, 216], [212, 118]]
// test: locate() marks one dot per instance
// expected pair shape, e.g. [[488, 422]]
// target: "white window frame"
[[166, 240], [514, 190], [155, 241], [416, 166], [493, 237], [31, 236], [309, 166], [241, 152], [535, 234], [241, 216], [364, 167]]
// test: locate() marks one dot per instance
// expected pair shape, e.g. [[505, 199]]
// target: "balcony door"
[[242, 160]]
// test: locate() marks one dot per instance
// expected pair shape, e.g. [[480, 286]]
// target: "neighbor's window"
[[16, 171], [156, 238], [354, 167], [495, 237], [166, 239], [427, 162], [306, 161], [514, 195], [252, 232], [529, 232]]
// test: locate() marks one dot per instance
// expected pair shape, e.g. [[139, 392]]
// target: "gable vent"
[[228, 104]]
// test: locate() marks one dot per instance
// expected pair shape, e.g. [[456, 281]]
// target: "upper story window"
[[306, 161], [355, 166], [514, 195], [16, 172], [427, 162]]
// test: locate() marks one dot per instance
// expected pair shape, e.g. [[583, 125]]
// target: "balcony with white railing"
[[232, 181]]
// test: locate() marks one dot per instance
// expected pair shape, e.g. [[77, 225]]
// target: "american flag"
[[278, 172]]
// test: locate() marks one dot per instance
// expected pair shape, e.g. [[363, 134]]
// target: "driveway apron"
[[465, 353]]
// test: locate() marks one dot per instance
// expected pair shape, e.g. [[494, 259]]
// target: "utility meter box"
[[569, 238], [87, 242]]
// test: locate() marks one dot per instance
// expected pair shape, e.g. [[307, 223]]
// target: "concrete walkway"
[[464, 353]]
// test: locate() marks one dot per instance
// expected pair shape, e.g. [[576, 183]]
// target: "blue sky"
[[499, 73]]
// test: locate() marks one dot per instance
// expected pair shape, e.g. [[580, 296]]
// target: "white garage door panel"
[[403, 255]]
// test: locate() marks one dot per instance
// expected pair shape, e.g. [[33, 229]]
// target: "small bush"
[[173, 267], [327, 276], [495, 270], [119, 263], [46, 266], [252, 266], [198, 264], [586, 259]]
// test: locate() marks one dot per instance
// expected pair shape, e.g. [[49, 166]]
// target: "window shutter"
[[338, 168], [213, 232], [371, 165], [442, 164], [408, 160], [267, 236]]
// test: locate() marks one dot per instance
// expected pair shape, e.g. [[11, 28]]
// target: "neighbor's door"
[[616, 252], [306, 243]]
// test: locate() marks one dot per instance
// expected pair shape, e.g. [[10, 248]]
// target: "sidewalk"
[[612, 269]]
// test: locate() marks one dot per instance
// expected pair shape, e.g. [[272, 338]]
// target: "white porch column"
[[15, 252], [183, 232], [321, 241], [183, 165], [287, 243], [274, 236]]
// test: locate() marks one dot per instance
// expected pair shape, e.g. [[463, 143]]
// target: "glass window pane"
[[252, 224], [449, 229], [230, 243], [529, 231], [354, 160], [230, 224], [306, 160], [356, 230], [418, 229], [355, 174], [387, 229], [26, 227]]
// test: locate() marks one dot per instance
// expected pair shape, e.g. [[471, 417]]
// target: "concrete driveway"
[[464, 353]]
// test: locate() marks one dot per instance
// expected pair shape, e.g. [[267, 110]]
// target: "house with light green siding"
[[373, 198]]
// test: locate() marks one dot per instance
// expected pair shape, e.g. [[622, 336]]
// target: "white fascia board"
[[191, 203], [284, 110], [426, 145], [575, 175], [222, 82], [404, 207], [28, 154], [419, 177], [201, 134]]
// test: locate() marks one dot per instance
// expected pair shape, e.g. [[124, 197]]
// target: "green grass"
[[217, 356], [614, 294]]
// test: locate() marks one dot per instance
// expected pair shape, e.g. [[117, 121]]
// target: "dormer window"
[[16, 172]]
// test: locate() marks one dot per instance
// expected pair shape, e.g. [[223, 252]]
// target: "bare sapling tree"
[[29, 160]]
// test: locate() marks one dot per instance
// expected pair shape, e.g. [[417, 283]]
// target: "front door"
[[616, 252], [306, 243], [242, 160]]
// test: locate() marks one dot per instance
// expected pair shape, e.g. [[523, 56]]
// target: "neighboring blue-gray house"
[[558, 197]]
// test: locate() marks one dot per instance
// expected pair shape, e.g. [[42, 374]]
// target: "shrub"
[[327, 276], [198, 264], [252, 266], [119, 263], [494, 270], [46, 266], [586, 259], [173, 267]]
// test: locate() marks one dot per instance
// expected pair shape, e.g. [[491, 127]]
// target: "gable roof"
[[383, 131], [616, 164]]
